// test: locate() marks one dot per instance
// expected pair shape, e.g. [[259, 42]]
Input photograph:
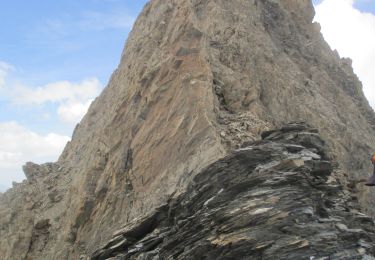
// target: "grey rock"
[[232, 211]]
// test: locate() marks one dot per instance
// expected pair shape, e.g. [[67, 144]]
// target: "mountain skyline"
[[56, 59]]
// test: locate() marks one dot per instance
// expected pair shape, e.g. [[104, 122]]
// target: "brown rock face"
[[197, 79]]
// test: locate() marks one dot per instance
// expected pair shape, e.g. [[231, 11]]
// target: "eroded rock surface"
[[197, 80], [269, 200]]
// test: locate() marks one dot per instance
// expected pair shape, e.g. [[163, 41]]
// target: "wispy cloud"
[[72, 112], [19, 145], [61, 91], [100, 21], [73, 99], [4, 69], [70, 32], [3, 188], [70, 99], [352, 33], [63, 26]]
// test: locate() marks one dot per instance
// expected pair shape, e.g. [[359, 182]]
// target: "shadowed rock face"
[[197, 80], [269, 200]]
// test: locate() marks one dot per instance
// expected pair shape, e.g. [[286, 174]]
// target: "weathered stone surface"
[[197, 80], [34, 171], [263, 201]]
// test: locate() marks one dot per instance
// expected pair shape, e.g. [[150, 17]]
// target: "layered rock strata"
[[270, 200]]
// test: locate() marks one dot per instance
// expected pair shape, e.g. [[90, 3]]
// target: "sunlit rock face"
[[197, 80]]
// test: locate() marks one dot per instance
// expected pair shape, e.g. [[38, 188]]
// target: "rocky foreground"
[[272, 199]]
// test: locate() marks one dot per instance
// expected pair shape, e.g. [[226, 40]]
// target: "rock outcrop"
[[197, 80], [270, 200]]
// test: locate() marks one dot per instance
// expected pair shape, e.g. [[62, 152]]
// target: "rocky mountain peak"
[[197, 81]]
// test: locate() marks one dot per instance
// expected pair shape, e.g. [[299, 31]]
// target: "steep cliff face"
[[197, 79]]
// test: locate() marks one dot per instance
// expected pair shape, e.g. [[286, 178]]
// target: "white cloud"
[[62, 91], [73, 99], [19, 145], [73, 112], [3, 188], [4, 69], [352, 33]]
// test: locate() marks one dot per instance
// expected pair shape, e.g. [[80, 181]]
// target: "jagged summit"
[[197, 80]]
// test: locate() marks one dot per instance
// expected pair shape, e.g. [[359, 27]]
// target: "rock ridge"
[[197, 80], [269, 200]]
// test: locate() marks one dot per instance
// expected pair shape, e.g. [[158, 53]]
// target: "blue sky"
[[49, 50], [70, 40], [362, 5], [56, 56]]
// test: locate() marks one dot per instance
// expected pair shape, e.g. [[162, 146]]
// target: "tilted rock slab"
[[197, 79], [270, 200]]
